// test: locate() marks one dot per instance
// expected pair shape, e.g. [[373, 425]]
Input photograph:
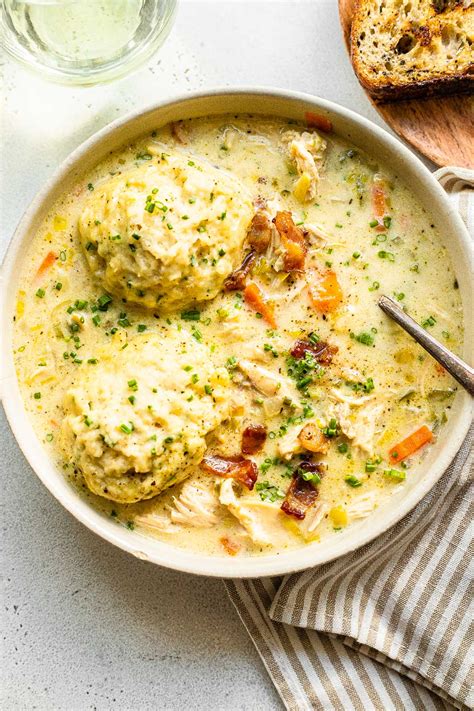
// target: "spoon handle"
[[460, 370]]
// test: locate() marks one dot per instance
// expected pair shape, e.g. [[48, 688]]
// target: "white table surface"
[[85, 626]]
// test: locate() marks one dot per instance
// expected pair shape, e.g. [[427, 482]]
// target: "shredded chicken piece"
[[313, 518], [437, 311], [293, 291], [180, 132], [359, 426], [315, 235], [290, 444], [154, 522], [272, 406], [423, 376], [261, 520], [350, 399], [197, 505], [265, 381], [363, 505], [307, 150]]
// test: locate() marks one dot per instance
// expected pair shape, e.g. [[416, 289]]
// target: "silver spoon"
[[460, 370]]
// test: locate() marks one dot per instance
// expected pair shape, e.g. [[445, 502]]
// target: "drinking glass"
[[84, 41]]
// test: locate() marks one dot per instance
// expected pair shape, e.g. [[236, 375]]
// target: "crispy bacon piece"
[[318, 121], [259, 233], [230, 547], [231, 467], [312, 439], [253, 439], [301, 494], [293, 241], [236, 280], [321, 351]]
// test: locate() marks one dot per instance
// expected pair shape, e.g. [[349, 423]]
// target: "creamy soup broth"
[[375, 389]]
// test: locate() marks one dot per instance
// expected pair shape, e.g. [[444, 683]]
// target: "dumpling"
[[136, 423], [166, 235]]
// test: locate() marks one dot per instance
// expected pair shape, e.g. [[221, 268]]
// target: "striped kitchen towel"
[[388, 627]]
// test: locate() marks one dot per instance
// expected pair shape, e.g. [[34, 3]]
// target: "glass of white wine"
[[84, 41]]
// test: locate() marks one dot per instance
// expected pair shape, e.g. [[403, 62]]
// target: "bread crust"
[[386, 86]]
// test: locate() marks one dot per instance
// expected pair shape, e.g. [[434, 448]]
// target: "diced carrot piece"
[[379, 201], [293, 241], [318, 121], [46, 264], [324, 290], [230, 547], [294, 257], [410, 444], [255, 299]]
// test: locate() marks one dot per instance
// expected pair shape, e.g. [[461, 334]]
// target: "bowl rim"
[[138, 544]]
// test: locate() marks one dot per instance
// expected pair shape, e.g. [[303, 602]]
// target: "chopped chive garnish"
[[352, 481], [389, 256], [103, 302], [332, 429], [191, 315], [366, 338], [395, 474], [310, 476], [430, 321]]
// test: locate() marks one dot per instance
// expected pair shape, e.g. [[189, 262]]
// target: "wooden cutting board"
[[440, 128]]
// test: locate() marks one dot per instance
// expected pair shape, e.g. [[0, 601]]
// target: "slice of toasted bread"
[[407, 48]]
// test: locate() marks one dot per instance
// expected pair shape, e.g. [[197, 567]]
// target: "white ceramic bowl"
[[356, 130]]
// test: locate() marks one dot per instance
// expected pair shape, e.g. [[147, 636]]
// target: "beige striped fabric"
[[388, 627]]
